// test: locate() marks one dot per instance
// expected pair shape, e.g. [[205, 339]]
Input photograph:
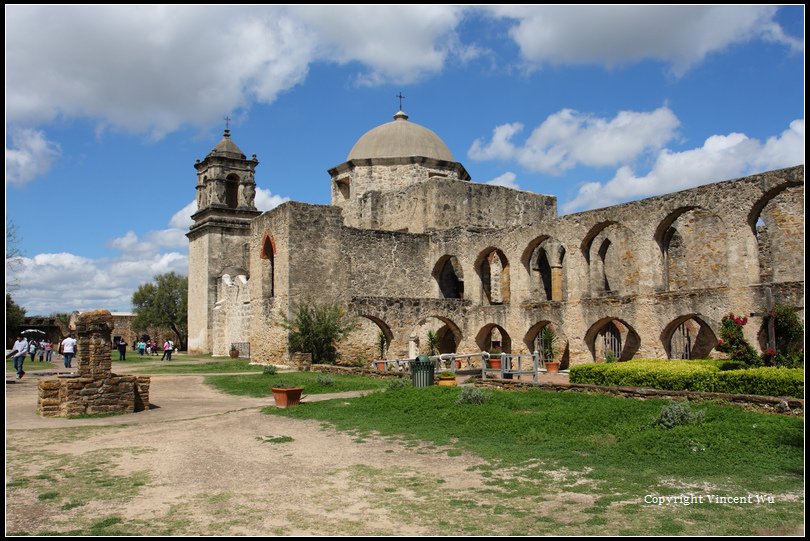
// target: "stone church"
[[410, 244]]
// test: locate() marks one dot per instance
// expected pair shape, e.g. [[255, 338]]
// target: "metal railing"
[[508, 365]]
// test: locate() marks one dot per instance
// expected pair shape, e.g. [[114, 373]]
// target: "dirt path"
[[200, 464]]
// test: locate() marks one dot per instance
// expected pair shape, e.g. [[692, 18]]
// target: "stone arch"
[[267, 256], [543, 259], [533, 341], [448, 332], [491, 335], [693, 243], [611, 265], [777, 222], [232, 191], [493, 269], [612, 333], [689, 337], [363, 344], [449, 277]]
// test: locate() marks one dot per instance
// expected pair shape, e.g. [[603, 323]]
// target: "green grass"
[[608, 442], [29, 366], [261, 384], [173, 367]]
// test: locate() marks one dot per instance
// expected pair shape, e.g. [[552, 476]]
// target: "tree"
[[13, 256], [316, 328], [163, 303], [15, 316]]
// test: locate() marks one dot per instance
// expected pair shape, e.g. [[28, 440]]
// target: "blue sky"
[[107, 108]]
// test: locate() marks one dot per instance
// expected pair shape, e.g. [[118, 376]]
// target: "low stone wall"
[[779, 404], [358, 371], [94, 389]]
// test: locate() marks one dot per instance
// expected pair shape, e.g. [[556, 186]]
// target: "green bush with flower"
[[733, 343]]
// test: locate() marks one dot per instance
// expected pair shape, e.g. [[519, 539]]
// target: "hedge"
[[702, 375]]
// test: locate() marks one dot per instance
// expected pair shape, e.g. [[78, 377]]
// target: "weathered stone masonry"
[[94, 388], [409, 244]]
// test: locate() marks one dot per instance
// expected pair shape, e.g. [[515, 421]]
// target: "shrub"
[[326, 381], [399, 383], [472, 395], [731, 365], [733, 343], [432, 343], [270, 370], [316, 329], [678, 414], [789, 332], [702, 375]]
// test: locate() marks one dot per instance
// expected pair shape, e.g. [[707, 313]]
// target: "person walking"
[[122, 350], [48, 350], [42, 350], [167, 351], [32, 349], [19, 352], [68, 349]]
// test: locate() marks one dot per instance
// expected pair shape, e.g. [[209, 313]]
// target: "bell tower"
[[218, 238]]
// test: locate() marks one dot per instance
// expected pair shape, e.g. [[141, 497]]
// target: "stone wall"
[[94, 388]]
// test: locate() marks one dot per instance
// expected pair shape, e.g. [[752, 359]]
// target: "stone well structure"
[[94, 388]]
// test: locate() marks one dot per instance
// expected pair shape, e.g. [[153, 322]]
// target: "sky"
[[107, 108]]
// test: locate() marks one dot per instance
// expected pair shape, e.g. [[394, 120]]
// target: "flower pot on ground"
[[458, 364], [495, 359], [234, 353], [287, 397], [381, 366], [552, 367], [447, 379]]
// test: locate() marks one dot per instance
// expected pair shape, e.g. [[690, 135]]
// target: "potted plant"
[[286, 396], [495, 359], [234, 353], [432, 343], [447, 379], [548, 346]]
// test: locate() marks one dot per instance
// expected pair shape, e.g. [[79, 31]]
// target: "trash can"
[[422, 371]]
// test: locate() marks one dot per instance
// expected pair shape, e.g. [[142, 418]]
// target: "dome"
[[227, 148], [400, 139]]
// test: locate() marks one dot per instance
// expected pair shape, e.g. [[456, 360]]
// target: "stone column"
[[556, 284], [94, 331]]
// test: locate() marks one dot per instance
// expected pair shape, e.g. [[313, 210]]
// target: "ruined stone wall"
[[231, 314], [714, 271], [94, 388], [443, 203]]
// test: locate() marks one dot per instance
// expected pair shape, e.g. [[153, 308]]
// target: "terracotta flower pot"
[[495, 364], [447, 381], [287, 397], [234, 354], [381, 366], [458, 364], [552, 367]]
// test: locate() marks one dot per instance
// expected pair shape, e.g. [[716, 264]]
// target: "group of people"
[[43, 348], [150, 347]]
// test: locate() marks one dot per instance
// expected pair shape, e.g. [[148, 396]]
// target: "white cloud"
[[720, 157], [149, 68], [398, 44], [65, 282], [506, 180], [265, 200], [30, 155], [569, 138], [612, 36], [182, 218]]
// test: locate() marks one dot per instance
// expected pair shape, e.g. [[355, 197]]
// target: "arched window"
[[267, 257], [232, 191]]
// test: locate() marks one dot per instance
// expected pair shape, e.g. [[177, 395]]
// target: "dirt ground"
[[207, 463]]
